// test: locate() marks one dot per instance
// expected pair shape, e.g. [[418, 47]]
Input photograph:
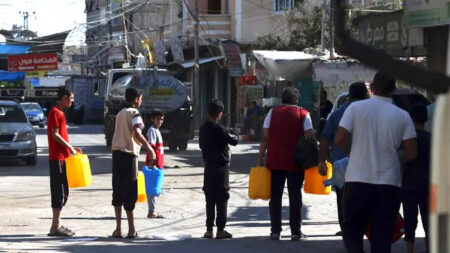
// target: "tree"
[[304, 29]]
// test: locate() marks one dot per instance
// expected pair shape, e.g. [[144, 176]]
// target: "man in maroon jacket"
[[282, 128]]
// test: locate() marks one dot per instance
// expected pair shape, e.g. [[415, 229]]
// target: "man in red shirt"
[[58, 150]]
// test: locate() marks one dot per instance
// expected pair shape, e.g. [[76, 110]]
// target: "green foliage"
[[303, 31]]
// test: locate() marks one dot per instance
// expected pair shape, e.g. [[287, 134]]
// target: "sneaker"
[[208, 234], [298, 237], [223, 234], [274, 236]]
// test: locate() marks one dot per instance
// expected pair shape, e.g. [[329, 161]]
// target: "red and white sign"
[[32, 62]]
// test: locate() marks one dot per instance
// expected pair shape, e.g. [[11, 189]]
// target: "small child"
[[416, 178], [214, 142], [156, 142], [126, 146]]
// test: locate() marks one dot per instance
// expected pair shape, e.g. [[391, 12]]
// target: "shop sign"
[[32, 62], [387, 32], [232, 53], [36, 73], [46, 93], [116, 54], [422, 13], [13, 92], [176, 49]]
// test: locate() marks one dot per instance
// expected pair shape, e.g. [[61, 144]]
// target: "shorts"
[[123, 180], [59, 188]]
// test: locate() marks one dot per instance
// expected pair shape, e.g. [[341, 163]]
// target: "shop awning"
[[287, 65], [191, 63], [13, 49], [11, 76]]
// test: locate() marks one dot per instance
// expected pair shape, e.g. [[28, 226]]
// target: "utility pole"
[[26, 15], [332, 6], [324, 13], [125, 35], [196, 79]]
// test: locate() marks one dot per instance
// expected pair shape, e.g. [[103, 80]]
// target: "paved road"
[[26, 213]]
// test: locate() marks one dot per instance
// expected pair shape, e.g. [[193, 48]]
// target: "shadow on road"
[[152, 244], [149, 243]]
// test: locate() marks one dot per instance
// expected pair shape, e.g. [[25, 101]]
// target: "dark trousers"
[[413, 200], [339, 200], [216, 188], [378, 204], [221, 218], [123, 180], [294, 183]]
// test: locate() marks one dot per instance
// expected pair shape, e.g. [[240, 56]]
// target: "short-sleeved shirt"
[[377, 129], [155, 140], [307, 123], [57, 119], [330, 129], [123, 138]]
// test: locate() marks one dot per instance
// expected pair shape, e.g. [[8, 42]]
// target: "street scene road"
[[26, 212]]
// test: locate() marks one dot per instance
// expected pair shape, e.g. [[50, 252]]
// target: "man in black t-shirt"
[[214, 142], [325, 105], [416, 178]]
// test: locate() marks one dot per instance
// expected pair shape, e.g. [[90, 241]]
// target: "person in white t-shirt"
[[372, 132]]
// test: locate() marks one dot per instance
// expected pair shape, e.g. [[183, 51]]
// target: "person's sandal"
[[116, 234], [132, 236], [274, 236], [223, 234], [208, 234], [155, 216], [298, 237], [67, 230], [61, 232]]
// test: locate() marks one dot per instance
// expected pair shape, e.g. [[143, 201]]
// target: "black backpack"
[[306, 152]]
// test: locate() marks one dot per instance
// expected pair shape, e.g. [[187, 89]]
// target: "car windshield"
[[12, 113], [123, 81], [31, 107]]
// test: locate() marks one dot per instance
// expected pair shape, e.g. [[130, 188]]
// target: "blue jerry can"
[[153, 180]]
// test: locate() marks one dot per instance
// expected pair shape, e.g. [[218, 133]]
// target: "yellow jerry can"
[[142, 196], [314, 181], [259, 183], [78, 171]]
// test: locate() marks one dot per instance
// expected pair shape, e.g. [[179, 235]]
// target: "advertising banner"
[[422, 13], [32, 62], [232, 53]]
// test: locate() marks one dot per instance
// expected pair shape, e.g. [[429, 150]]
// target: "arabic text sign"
[[421, 13], [32, 62], [232, 52]]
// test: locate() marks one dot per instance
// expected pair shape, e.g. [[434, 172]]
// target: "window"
[[12, 113], [285, 5]]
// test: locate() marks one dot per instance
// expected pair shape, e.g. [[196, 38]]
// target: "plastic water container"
[[398, 230], [78, 171], [142, 197], [153, 180], [314, 181], [259, 183]]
